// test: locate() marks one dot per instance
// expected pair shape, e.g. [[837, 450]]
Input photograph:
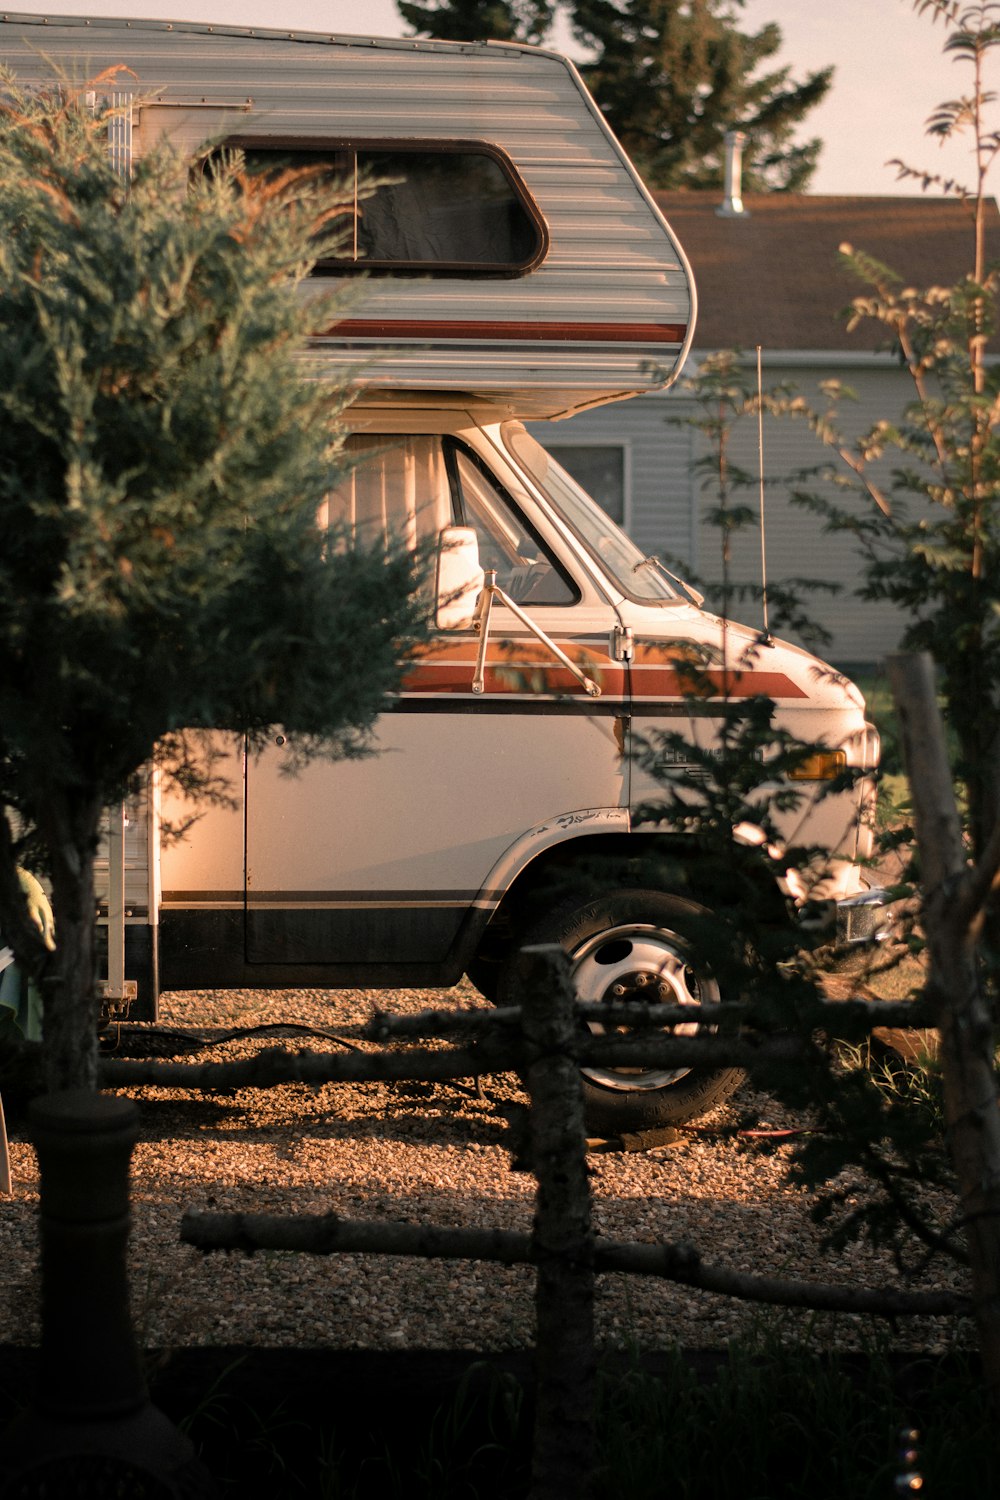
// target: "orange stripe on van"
[[524, 668], [662, 671]]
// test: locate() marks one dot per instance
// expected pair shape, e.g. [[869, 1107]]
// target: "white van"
[[517, 269]]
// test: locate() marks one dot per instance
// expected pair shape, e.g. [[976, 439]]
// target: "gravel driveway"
[[434, 1154]]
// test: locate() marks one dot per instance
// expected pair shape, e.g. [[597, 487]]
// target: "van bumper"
[[865, 917]]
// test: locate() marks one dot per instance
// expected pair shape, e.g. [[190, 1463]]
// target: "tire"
[[485, 975], [632, 944]]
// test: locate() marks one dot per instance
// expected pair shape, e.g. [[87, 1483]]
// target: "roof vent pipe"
[[732, 202]]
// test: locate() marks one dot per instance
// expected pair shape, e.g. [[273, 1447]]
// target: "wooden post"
[[563, 1451], [6, 1185], [952, 915], [91, 1428]]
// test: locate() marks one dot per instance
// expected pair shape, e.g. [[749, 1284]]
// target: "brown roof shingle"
[[771, 276]]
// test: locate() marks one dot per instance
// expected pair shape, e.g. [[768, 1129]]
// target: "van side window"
[[524, 569], [437, 208], [409, 488]]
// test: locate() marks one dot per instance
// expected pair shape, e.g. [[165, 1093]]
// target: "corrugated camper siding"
[[612, 260]]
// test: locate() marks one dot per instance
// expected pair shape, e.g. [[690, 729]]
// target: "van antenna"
[[766, 637]]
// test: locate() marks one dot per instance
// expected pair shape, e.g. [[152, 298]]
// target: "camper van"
[[515, 269]]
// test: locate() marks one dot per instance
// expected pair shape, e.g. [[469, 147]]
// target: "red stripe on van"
[[461, 328]]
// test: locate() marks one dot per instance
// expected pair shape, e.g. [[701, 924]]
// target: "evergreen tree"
[[480, 20], [163, 451], [672, 76]]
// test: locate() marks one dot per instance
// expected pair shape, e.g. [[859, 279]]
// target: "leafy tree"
[[725, 394], [672, 78], [931, 540], [480, 20], [164, 446]]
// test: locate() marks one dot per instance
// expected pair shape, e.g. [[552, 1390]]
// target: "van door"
[[371, 865]]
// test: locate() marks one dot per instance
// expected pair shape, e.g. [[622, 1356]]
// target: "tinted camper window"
[[434, 208]]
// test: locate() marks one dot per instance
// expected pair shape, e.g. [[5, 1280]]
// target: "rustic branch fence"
[[543, 1041]]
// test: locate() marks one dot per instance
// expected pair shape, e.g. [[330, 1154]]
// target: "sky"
[[890, 70]]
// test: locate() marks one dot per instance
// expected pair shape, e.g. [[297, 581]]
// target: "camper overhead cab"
[[515, 269]]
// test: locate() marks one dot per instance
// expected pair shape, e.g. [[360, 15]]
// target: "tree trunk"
[[563, 1238], [70, 1004], [952, 920]]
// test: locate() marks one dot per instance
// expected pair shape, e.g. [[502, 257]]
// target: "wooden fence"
[[542, 1040]]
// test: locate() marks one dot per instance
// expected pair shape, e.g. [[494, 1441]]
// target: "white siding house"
[[771, 276]]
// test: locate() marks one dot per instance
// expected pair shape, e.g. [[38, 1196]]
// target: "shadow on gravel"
[[394, 1114]]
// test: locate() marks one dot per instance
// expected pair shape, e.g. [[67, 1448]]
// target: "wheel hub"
[[639, 963]]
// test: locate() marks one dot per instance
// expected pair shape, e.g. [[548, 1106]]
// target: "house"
[[768, 274]]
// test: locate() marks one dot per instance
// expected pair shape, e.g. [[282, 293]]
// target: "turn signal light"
[[823, 766]]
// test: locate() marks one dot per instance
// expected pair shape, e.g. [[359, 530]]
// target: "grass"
[[793, 1423], [474, 1445], [769, 1421]]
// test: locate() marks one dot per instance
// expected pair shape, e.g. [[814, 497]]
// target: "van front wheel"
[[636, 945]]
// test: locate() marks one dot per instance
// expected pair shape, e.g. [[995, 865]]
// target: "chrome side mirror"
[[460, 578]]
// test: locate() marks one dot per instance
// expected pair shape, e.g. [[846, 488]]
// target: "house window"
[[439, 208], [600, 469]]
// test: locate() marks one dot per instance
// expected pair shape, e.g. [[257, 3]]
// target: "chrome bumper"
[[865, 918]]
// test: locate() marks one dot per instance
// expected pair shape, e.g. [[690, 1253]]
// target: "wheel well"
[[662, 861]]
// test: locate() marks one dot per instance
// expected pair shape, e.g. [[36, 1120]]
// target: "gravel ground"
[[435, 1154]]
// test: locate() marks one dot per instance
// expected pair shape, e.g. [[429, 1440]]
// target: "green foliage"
[[162, 457], [475, 1443], [799, 1421], [930, 534], [738, 801], [480, 20], [799, 1424], [920, 496], [165, 443]]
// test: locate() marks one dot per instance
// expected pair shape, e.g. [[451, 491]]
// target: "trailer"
[[516, 255], [515, 268]]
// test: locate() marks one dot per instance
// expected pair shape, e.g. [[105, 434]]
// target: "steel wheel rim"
[[638, 961]]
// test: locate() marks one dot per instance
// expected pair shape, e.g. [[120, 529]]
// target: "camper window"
[[433, 208], [408, 489]]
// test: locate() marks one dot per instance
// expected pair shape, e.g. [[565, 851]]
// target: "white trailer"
[[521, 258], [517, 269]]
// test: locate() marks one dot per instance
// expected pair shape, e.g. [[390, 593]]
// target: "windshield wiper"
[[652, 561]]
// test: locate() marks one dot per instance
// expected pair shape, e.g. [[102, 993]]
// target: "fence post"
[[563, 1450], [91, 1429]]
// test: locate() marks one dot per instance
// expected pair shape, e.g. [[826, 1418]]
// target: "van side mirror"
[[460, 578]]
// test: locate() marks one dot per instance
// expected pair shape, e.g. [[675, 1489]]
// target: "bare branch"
[[328, 1234], [276, 1065], [443, 1022]]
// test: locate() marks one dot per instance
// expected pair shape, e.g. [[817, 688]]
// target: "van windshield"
[[639, 577]]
